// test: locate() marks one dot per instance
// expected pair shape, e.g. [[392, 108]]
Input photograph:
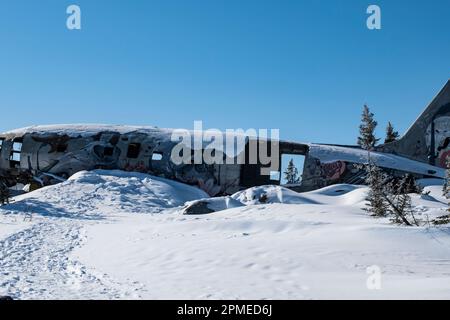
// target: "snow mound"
[[205, 206], [92, 194], [342, 194], [271, 194], [257, 195], [336, 189]]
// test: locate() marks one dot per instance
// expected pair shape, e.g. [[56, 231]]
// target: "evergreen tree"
[[367, 139], [408, 184], [446, 187], [291, 173], [399, 201], [391, 134], [375, 179], [389, 196]]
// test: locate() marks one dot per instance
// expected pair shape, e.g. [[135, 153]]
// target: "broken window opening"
[[108, 151], [157, 156], [104, 153], [15, 155], [61, 148], [133, 150], [1, 144], [17, 146], [292, 174]]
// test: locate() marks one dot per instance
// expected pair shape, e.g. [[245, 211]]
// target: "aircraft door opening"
[[291, 169]]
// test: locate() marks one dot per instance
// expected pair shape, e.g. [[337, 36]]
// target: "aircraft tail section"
[[428, 139]]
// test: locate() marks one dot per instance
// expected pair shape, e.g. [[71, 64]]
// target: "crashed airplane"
[[43, 155]]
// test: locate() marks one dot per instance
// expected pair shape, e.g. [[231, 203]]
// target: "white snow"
[[330, 153], [274, 194], [75, 130], [193, 139], [116, 235]]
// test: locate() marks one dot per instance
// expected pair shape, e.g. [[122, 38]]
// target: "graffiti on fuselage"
[[441, 139], [333, 170]]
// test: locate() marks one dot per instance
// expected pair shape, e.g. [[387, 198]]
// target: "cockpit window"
[[17, 146], [15, 155]]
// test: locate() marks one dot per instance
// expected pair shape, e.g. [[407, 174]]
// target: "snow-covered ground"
[[115, 235]]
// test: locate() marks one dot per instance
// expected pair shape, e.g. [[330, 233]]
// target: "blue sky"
[[305, 67]]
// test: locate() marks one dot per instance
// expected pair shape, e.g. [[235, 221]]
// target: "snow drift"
[[98, 193]]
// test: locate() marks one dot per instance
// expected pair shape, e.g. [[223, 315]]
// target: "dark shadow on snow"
[[36, 207]]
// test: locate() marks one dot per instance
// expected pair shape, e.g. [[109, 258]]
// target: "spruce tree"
[[388, 196], [446, 187], [375, 179], [367, 139], [408, 184], [391, 134], [291, 173], [399, 201]]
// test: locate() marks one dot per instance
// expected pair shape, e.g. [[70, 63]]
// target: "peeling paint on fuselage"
[[46, 155]]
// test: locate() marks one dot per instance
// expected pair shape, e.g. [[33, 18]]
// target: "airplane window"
[[61, 148], [157, 156], [15, 156], [17, 146], [133, 150], [108, 151], [102, 152]]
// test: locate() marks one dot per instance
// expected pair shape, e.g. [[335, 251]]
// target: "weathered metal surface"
[[46, 155]]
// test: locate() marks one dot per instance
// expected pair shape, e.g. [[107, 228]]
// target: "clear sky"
[[304, 66]]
